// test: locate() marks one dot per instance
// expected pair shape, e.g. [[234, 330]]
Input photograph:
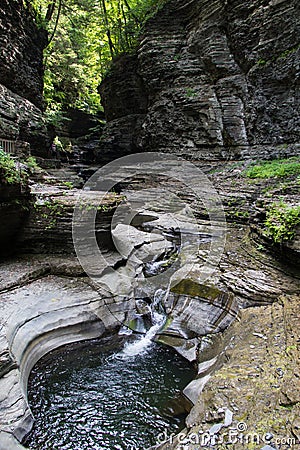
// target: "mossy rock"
[[194, 289]]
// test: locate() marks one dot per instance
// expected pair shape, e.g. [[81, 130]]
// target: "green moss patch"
[[193, 289], [276, 168]]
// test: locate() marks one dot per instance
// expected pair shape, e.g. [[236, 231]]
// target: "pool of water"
[[103, 396]]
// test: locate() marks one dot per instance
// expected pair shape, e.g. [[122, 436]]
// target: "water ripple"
[[90, 398]]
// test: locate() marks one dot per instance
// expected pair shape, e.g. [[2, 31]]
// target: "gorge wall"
[[210, 79], [21, 76]]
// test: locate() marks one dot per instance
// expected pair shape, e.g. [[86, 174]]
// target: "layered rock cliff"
[[21, 76], [13, 210], [210, 79]]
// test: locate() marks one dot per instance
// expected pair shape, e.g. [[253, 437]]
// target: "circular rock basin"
[[98, 396]]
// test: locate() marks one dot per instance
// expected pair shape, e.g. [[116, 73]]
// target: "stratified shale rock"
[[21, 57], [218, 79], [21, 120], [258, 386], [21, 76], [48, 228], [14, 203], [61, 308], [124, 98]]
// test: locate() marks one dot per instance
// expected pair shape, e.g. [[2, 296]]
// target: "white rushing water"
[[158, 319], [154, 267], [143, 344]]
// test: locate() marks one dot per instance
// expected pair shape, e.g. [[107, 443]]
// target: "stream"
[[117, 393]]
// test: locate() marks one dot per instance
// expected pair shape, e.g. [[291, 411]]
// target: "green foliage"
[[9, 173], [59, 144], [68, 184], [261, 62], [281, 221], [32, 164], [276, 57], [276, 168], [288, 52], [12, 172], [191, 93], [54, 115], [38, 9], [50, 211], [241, 214], [88, 34]]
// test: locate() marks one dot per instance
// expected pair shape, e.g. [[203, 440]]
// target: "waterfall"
[[154, 267], [158, 319], [141, 345]]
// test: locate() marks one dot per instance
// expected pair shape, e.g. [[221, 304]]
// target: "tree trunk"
[[108, 33], [50, 10]]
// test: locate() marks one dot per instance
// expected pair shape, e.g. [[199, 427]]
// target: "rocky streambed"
[[246, 359]]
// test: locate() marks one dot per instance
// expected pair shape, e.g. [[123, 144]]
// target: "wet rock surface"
[[255, 273], [61, 304], [20, 332], [48, 228], [210, 81]]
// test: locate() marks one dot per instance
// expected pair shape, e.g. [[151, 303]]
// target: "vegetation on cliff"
[[84, 37], [275, 168], [282, 177], [9, 173], [282, 221], [15, 171]]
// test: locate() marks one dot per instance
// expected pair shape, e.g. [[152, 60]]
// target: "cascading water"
[[102, 397], [158, 319], [143, 344], [155, 267]]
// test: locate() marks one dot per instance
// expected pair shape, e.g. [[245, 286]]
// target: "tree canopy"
[[84, 37]]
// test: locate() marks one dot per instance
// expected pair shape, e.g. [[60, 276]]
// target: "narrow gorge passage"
[[149, 156]]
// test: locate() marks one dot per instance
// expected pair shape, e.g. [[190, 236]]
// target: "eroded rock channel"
[[154, 263], [131, 295], [64, 306]]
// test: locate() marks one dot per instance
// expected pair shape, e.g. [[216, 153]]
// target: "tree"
[[84, 37]]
